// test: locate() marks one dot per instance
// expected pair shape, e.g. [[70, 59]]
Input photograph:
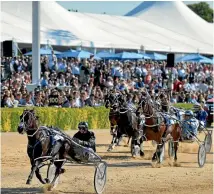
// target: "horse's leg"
[[135, 145], [159, 152], [59, 165], [114, 137], [119, 138], [38, 175], [176, 149], [113, 142], [127, 145], [33, 169], [141, 148], [112, 129], [154, 157]]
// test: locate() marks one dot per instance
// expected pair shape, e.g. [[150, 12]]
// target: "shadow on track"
[[21, 190]]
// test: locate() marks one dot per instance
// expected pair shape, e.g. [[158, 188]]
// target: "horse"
[[128, 122], [155, 128], [40, 141], [111, 102]]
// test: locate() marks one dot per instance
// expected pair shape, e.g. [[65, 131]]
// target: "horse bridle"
[[26, 125], [110, 102]]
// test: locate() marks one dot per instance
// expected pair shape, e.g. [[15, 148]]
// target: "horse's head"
[[111, 101], [27, 121], [146, 105], [163, 97], [122, 100], [107, 101]]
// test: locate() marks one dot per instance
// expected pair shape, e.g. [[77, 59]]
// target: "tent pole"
[[36, 68]]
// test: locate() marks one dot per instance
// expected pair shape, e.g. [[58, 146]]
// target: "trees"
[[203, 10]]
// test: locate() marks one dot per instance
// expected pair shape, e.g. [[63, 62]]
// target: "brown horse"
[[155, 128]]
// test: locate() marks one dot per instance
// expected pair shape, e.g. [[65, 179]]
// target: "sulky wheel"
[[100, 177], [208, 142], [51, 174], [201, 155], [171, 150]]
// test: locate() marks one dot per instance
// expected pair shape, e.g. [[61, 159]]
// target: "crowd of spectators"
[[69, 82]]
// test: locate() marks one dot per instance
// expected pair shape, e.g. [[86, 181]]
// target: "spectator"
[[85, 82]]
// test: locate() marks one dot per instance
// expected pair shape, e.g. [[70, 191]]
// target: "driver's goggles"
[[82, 128]]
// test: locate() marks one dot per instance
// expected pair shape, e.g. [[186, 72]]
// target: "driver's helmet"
[[189, 113], [83, 125]]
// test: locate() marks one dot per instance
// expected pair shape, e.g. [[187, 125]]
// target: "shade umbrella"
[[212, 60], [105, 55], [127, 55], [157, 56], [195, 58], [144, 56], [77, 54], [44, 51], [205, 60], [97, 58]]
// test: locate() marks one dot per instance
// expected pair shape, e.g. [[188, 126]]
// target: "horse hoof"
[[62, 171], [154, 160], [126, 145], [28, 182], [142, 154], [176, 164]]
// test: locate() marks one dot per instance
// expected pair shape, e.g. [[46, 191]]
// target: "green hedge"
[[64, 118], [184, 106]]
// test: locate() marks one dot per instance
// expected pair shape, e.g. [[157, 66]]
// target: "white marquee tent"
[[63, 28], [174, 16]]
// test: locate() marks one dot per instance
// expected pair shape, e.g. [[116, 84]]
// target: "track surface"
[[125, 175]]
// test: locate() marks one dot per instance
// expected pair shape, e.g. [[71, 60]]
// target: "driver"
[[189, 126], [85, 137]]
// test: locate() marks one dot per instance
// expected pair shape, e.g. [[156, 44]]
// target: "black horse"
[[40, 146], [111, 101], [128, 122]]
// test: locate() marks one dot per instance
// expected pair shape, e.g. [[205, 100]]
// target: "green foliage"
[[64, 118], [203, 10], [184, 106]]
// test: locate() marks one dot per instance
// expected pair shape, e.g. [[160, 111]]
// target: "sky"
[[109, 7]]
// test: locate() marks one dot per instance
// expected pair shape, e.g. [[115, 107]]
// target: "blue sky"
[[110, 7]]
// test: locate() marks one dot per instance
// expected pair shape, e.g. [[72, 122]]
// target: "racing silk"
[[86, 139], [202, 115], [190, 125]]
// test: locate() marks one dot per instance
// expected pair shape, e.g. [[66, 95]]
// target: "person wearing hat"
[[85, 137], [190, 126]]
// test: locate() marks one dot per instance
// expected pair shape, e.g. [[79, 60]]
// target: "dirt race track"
[[125, 174]]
